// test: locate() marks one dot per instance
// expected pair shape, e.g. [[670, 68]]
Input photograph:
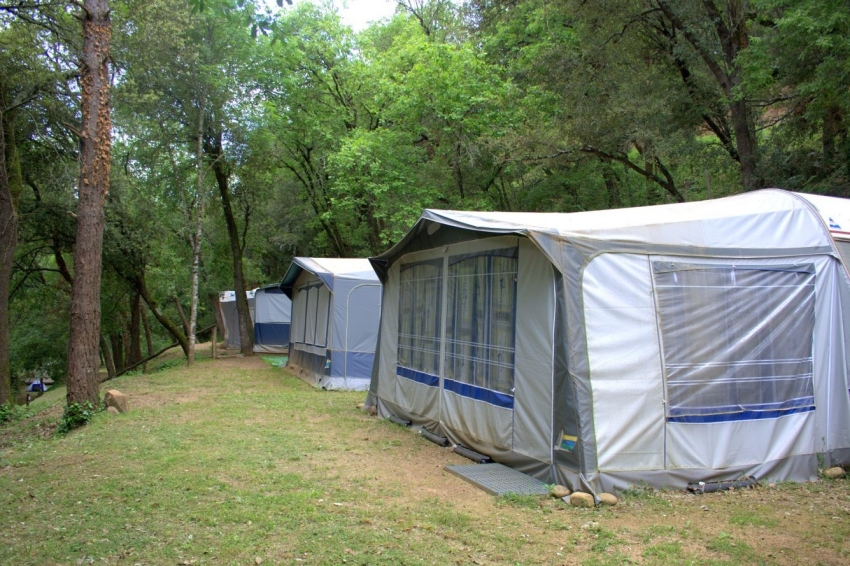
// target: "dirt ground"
[[771, 523]]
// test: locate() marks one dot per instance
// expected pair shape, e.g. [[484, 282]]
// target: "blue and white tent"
[[336, 306], [230, 316], [272, 319]]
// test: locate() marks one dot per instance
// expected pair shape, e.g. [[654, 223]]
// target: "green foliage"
[[334, 142], [801, 62], [10, 412], [77, 415]]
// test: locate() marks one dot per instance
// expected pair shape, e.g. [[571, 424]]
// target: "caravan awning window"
[[737, 341], [420, 300], [480, 330]]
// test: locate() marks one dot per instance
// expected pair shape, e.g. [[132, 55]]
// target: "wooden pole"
[[215, 342]]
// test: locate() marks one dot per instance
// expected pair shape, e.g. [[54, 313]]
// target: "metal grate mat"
[[497, 479]]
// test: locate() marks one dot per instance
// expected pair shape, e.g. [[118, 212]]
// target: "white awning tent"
[[660, 345], [230, 316], [272, 318], [336, 306]]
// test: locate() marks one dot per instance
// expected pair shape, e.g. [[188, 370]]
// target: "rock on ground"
[[607, 499], [834, 472], [580, 499], [559, 491], [115, 398]]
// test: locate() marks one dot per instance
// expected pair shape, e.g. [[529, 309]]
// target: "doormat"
[[497, 479]]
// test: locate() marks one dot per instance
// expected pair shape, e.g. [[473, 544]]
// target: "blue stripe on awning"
[[418, 376], [479, 393], [808, 401], [739, 416]]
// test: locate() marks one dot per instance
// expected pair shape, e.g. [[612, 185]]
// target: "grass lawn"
[[239, 462]]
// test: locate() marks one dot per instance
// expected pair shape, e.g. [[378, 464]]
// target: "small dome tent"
[[659, 345], [336, 305], [272, 319]]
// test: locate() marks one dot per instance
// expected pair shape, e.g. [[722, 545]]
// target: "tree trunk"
[[108, 361], [195, 239], [10, 189], [219, 322], [612, 186], [213, 148], [745, 142], [95, 155], [172, 328], [182, 314], [117, 342], [722, 60], [148, 338], [134, 352]]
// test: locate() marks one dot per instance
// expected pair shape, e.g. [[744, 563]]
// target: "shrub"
[[76, 415], [10, 412]]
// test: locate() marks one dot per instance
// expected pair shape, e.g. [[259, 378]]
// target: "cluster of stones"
[[580, 499]]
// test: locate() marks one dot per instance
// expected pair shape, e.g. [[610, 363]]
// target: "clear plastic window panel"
[[737, 341], [480, 330], [322, 316], [420, 300], [312, 308], [299, 318]]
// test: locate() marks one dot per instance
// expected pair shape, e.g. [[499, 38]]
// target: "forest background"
[[243, 135]]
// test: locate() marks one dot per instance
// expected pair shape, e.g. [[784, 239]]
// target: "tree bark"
[[214, 149], [219, 322], [613, 188], [148, 337], [117, 342], [10, 189], [95, 155], [108, 361], [182, 314], [134, 352], [195, 238]]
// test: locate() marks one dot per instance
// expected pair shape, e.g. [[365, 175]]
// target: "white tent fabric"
[[230, 316], [663, 345], [272, 319], [336, 306], [835, 212]]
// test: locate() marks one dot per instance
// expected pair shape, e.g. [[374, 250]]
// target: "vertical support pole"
[[215, 343]]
